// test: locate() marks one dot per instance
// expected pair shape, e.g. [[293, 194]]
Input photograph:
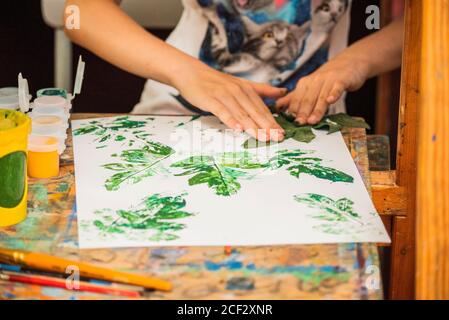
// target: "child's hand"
[[236, 102], [315, 92]]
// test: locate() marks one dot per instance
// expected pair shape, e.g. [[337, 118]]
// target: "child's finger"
[[307, 103], [263, 114], [336, 92], [237, 106], [321, 105], [217, 108], [268, 91], [283, 102]]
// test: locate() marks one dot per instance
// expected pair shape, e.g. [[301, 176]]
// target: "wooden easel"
[[415, 198]]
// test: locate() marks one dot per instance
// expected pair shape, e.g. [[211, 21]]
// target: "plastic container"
[[49, 125], [50, 111], [14, 130], [9, 102], [52, 102], [9, 91], [43, 157]]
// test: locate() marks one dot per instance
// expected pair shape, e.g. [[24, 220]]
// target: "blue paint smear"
[[238, 265], [229, 265]]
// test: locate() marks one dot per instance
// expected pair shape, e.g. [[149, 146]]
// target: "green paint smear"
[[157, 213], [221, 172], [303, 133], [137, 164], [329, 210], [12, 179]]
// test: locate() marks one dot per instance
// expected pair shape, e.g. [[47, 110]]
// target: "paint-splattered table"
[[349, 271]]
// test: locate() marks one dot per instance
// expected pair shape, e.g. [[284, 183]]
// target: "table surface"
[[344, 271]]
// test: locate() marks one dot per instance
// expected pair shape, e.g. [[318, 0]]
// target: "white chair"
[[150, 14]]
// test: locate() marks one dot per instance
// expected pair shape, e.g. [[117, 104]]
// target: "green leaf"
[[328, 125], [254, 143], [304, 134], [345, 120]]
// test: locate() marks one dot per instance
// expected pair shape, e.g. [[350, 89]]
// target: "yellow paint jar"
[[43, 157], [14, 130]]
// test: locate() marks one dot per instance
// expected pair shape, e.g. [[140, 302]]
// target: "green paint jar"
[[52, 92], [14, 130]]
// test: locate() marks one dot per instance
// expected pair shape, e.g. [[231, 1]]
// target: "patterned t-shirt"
[[269, 41]]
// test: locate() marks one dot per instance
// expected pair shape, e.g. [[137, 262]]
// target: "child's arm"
[[369, 57], [107, 31]]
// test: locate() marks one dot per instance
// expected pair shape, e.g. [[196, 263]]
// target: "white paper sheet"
[[261, 203]]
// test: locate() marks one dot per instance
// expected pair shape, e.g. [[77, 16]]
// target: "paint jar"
[[52, 92], [9, 102], [14, 130], [54, 102], [9, 91], [50, 111], [43, 157], [49, 125]]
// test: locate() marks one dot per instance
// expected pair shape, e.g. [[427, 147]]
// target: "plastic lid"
[[79, 77], [52, 101], [38, 143], [24, 94], [9, 102]]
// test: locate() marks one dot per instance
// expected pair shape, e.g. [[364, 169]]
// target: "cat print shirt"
[[269, 41]]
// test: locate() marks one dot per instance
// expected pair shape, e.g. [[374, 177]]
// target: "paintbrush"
[[61, 283], [54, 264]]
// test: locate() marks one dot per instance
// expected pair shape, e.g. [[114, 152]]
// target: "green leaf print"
[[156, 213], [330, 210], [220, 172], [137, 164], [109, 130], [297, 164]]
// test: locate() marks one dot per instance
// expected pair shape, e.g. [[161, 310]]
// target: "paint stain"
[[40, 193], [228, 265], [63, 187], [240, 283]]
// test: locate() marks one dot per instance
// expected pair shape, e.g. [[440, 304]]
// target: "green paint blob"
[[12, 179]]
